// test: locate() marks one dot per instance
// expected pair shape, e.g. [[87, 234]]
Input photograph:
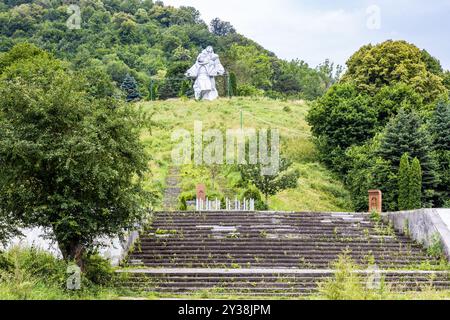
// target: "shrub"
[[98, 270], [253, 193]]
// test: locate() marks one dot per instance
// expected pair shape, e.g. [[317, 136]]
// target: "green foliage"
[[341, 118], [221, 28], [406, 134], [130, 87], [71, 163], [253, 193], [233, 84], [146, 40], [390, 63], [270, 185], [32, 274], [404, 179], [390, 99], [98, 270], [440, 130], [347, 284], [415, 185]]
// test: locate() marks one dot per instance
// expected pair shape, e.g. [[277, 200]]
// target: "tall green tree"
[[415, 185], [406, 134], [440, 129], [71, 163], [404, 183]]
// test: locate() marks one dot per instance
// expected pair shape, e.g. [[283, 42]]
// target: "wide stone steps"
[[253, 283], [245, 245]]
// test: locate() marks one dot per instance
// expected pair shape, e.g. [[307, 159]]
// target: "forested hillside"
[[155, 43]]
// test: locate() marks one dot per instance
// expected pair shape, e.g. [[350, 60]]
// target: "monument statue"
[[204, 71]]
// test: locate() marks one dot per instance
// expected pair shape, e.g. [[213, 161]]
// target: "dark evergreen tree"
[[440, 128], [405, 134], [130, 87], [403, 183], [232, 84], [415, 185]]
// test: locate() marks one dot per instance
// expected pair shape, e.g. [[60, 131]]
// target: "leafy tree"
[[415, 185], [130, 86], [389, 63], [71, 164], [251, 66], [270, 185], [390, 99], [221, 28], [433, 64], [340, 119], [404, 181]]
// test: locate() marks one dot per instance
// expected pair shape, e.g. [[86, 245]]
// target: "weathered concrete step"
[[269, 252]]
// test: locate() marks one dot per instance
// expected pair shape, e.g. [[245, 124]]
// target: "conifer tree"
[[440, 128], [130, 86], [405, 134], [404, 183], [415, 185]]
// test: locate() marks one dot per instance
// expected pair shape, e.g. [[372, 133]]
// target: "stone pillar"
[[375, 201]]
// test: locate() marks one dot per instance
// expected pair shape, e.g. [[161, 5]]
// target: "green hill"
[[152, 41], [317, 190]]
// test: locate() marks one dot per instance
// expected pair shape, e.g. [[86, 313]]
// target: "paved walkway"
[[173, 189]]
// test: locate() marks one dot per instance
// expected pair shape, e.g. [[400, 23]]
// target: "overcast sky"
[[313, 30]]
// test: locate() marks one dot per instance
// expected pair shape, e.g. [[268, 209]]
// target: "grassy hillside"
[[317, 190]]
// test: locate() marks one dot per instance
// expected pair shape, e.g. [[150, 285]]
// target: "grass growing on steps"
[[317, 190]]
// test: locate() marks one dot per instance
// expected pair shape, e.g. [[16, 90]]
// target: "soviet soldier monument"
[[204, 71]]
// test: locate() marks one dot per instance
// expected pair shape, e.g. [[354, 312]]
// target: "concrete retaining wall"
[[425, 226], [114, 250]]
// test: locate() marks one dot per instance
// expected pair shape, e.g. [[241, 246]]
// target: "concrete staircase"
[[269, 253]]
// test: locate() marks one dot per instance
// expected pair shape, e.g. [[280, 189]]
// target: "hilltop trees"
[[149, 41], [392, 62], [221, 28], [71, 163]]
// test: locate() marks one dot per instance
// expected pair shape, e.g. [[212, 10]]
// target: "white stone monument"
[[204, 71]]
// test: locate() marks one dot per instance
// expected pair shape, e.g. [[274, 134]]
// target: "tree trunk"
[[73, 251]]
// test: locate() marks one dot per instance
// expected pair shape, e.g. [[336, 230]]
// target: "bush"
[[246, 90], [98, 270], [349, 285], [253, 193]]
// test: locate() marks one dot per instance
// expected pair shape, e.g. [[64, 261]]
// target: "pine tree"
[[415, 185], [440, 128], [405, 134], [403, 183], [130, 86]]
